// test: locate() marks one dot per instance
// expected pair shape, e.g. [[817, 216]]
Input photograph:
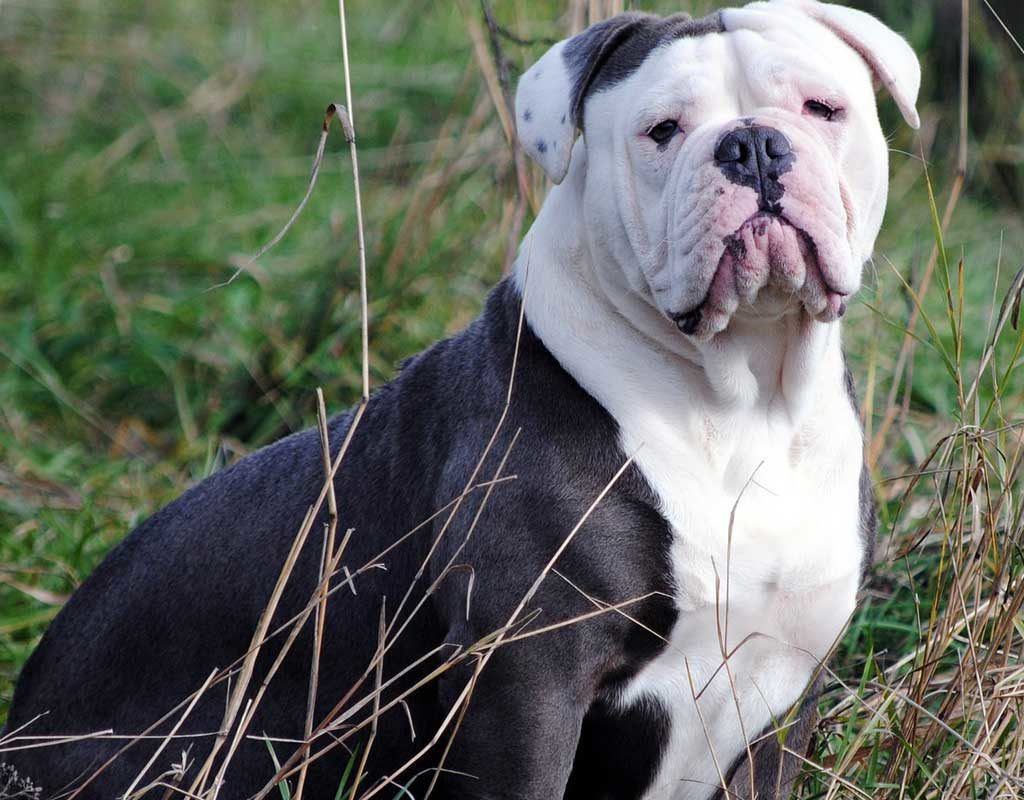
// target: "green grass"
[[124, 376], [150, 147]]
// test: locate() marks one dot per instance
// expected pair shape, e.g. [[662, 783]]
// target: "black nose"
[[756, 156]]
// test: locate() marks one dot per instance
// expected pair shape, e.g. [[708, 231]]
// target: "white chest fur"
[[766, 558], [754, 451]]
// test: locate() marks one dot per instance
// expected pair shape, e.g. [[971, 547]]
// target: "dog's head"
[[732, 164]]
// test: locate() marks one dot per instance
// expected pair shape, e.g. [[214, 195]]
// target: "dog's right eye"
[[664, 131], [817, 108]]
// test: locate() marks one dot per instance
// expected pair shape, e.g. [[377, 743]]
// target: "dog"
[[598, 544]]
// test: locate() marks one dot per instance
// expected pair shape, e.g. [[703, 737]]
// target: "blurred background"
[[150, 148]]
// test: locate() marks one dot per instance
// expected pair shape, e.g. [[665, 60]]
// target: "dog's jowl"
[[673, 515]]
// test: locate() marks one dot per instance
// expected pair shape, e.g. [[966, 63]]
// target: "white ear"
[[885, 51], [544, 113], [549, 100]]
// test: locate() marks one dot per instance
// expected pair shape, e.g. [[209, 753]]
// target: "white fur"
[[753, 418], [886, 52], [662, 214], [700, 430], [544, 113]]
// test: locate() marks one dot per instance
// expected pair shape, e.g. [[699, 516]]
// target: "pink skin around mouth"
[[766, 252]]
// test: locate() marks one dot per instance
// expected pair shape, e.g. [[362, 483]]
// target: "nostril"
[[730, 150], [777, 145]]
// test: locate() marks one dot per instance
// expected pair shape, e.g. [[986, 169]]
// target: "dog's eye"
[[816, 108], [664, 131]]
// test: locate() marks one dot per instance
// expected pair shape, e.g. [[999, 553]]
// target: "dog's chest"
[[766, 557]]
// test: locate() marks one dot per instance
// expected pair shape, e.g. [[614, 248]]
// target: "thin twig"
[[350, 134], [333, 110]]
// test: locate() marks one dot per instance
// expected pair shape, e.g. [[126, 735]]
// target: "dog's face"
[[728, 165]]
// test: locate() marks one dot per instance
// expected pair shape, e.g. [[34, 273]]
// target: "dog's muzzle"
[[768, 251]]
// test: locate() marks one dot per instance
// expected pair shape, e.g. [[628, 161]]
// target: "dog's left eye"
[[816, 108], [664, 131]]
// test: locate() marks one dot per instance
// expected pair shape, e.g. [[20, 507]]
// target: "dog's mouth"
[[769, 266]]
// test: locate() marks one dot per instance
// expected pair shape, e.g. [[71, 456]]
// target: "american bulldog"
[[676, 491]]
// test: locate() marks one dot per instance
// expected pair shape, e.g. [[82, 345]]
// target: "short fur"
[[610, 51], [182, 594]]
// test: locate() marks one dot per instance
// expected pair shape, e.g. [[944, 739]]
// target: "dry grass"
[[924, 693]]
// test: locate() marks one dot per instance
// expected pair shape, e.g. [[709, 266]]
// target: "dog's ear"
[[890, 58], [888, 54], [549, 100]]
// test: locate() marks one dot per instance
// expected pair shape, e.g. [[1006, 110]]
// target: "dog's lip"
[[689, 320], [807, 237], [814, 247]]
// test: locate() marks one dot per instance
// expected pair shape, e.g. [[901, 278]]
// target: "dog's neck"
[[623, 351]]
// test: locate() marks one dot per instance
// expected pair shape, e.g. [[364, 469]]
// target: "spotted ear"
[[887, 53], [549, 100]]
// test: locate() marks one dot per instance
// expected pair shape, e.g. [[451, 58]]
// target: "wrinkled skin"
[[686, 236]]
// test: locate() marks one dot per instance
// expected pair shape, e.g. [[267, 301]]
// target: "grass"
[[156, 145]]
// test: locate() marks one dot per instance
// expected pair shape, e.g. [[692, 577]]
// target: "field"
[[149, 149]]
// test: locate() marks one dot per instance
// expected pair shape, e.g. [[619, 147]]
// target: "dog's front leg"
[[775, 761], [521, 727]]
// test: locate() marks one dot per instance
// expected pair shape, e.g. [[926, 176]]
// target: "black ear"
[[551, 94]]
